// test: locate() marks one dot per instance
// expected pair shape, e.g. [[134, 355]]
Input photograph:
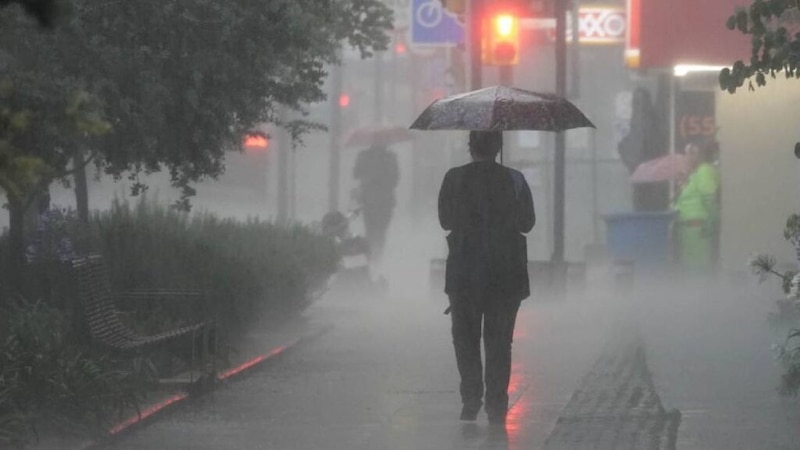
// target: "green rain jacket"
[[699, 199]]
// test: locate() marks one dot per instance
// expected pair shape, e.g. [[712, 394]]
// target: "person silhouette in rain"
[[486, 207], [698, 208], [377, 172]]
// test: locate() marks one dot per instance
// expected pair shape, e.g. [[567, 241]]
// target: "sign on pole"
[[432, 25], [695, 120], [596, 25]]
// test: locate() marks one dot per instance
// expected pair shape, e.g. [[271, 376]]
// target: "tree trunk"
[[81, 188]]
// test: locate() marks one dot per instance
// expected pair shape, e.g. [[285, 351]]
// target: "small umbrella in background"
[[501, 108], [671, 167], [377, 135]]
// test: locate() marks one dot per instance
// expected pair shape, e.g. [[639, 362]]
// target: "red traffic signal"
[[344, 100], [500, 39], [256, 141]]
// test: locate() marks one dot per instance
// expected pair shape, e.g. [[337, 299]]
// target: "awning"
[[665, 34]]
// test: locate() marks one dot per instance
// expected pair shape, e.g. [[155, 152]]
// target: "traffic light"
[[344, 100], [256, 142], [500, 39]]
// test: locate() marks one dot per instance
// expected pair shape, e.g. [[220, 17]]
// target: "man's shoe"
[[469, 413]]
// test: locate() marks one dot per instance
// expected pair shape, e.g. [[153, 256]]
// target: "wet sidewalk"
[[382, 376], [665, 367]]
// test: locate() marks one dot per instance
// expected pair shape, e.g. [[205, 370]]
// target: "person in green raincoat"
[[698, 209]]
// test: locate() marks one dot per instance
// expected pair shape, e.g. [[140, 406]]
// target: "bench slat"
[[102, 317]]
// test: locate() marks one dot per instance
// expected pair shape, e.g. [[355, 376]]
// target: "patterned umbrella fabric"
[[377, 135], [501, 108], [674, 166]]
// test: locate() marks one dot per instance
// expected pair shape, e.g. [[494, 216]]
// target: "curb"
[[151, 412]]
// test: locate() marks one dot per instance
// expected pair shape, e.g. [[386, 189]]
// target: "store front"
[[688, 41]]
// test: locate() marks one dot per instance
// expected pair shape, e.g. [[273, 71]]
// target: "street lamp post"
[[475, 40], [560, 148], [284, 149], [335, 135]]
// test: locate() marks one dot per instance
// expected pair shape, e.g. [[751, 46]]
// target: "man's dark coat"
[[486, 207]]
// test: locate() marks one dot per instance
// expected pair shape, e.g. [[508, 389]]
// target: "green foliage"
[[13, 429], [253, 267], [44, 11], [52, 241], [181, 82], [249, 268], [42, 124], [786, 319], [788, 354], [48, 383], [774, 48]]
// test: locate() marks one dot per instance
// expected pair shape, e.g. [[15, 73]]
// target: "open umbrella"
[[501, 108], [377, 135], [673, 166]]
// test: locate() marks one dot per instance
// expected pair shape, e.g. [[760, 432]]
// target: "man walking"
[[377, 172], [486, 207]]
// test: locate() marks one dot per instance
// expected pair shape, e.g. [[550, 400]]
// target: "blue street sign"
[[433, 25]]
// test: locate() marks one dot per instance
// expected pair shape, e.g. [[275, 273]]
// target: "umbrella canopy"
[[501, 108], [377, 135], [674, 166]]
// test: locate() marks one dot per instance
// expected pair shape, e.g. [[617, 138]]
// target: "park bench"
[[103, 319]]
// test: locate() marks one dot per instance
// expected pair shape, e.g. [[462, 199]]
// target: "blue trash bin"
[[640, 237]]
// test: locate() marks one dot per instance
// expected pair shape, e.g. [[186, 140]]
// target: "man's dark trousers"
[[497, 318], [376, 224]]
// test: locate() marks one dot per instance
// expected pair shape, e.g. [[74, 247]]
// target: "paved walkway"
[[384, 377], [616, 405]]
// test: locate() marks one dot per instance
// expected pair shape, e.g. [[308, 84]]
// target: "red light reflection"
[[248, 364], [147, 413], [520, 408]]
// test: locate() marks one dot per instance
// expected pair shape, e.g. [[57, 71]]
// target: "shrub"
[[48, 380], [47, 383], [251, 268], [786, 319], [54, 236]]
